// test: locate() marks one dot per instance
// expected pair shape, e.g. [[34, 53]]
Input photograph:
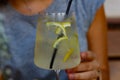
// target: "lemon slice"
[[58, 41], [68, 54], [61, 25], [66, 24], [58, 31]]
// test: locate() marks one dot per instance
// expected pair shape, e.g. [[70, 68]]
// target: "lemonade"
[[57, 45]]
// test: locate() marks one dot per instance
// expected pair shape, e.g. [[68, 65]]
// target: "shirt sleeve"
[[91, 7], [94, 5], [85, 12]]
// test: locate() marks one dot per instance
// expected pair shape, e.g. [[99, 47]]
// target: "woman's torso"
[[21, 32]]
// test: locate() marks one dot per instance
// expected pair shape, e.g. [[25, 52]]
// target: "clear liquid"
[[68, 51]]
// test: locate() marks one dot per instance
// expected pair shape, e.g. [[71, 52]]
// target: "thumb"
[[87, 56]]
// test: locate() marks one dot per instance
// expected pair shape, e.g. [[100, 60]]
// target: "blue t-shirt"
[[21, 32]]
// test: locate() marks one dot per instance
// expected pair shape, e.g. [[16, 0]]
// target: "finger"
[[84, 76], [87, 56], [85, 66]]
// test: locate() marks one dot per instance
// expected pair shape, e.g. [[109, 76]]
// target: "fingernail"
[[70, 76], [83, 56]]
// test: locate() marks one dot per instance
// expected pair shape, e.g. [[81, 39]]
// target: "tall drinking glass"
[[57, 46]]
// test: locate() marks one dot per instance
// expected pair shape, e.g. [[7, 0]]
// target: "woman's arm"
[[97, 41], [1, 76]]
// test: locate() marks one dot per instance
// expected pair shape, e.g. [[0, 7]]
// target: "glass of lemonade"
[[57, 46]]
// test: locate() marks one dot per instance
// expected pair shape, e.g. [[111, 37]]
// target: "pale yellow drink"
[[57, 35]]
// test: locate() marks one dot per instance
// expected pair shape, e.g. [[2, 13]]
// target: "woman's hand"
[[86, 70]]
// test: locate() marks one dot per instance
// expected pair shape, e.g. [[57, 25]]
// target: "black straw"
[[55, 49], [54, 53], [53, 58], [68, 7]]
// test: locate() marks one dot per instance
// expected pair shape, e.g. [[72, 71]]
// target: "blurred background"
[[112, 9]]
